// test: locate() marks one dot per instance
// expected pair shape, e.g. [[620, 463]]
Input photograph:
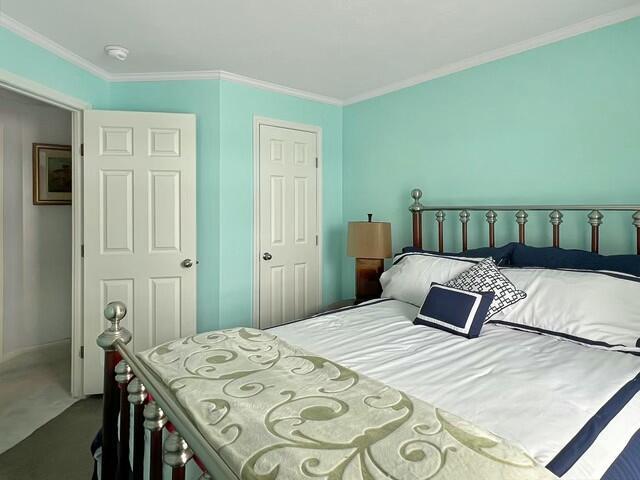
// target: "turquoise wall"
[[558, 124], [23, 58], [201, 97], [239, 104], [225, 113]]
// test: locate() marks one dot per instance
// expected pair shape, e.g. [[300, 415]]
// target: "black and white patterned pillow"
[[485, 277]]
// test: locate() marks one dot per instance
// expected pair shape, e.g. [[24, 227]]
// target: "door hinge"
[[317, 240], [82, 352], [316, 162], [82, 251], [82, 149]]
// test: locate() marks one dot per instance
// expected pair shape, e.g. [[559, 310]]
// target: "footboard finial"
[[114, 312], [123, 373], [176, 451], [137, 392], [154, 417]]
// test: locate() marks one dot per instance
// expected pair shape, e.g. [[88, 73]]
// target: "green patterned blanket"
[[274, 411]]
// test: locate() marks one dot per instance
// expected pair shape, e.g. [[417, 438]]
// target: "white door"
[[139, 228], [289, 265]]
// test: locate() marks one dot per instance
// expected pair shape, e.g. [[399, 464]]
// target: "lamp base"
[[368, 271]]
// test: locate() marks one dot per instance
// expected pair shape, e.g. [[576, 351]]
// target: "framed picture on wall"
[[51, 174]]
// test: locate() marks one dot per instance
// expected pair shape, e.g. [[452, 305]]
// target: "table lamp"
[[370, 243]]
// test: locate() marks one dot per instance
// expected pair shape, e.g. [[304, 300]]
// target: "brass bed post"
[[492, 218], [176, 454], [595, 220], [416, 213], [636, 222], [440, 216], [114, 313], [137, 397], [521, 220], [555, 219], [154, 421], [124, 375], [464, 220]]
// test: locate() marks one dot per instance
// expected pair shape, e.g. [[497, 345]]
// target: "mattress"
[[573, 408]]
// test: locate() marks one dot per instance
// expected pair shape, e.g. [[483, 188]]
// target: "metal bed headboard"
[[594, 218]]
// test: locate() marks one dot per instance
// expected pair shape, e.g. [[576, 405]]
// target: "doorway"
[[288, 239], [36, 306], [75, 107]]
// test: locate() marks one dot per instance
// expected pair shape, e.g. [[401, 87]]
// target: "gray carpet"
[[58, 449]]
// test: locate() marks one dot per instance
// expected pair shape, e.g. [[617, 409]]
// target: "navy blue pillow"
[[549, 257], [455, 311], [501, 255]]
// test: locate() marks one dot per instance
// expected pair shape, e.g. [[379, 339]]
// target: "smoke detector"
[[117, 52]]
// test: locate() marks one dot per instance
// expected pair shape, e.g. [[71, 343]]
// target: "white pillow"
[[412, 274], [596, 308]]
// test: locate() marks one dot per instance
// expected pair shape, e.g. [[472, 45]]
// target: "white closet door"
[[139, 228], [290, 264]]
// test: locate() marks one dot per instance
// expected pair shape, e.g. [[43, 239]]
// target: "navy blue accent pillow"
[[549, 257], [455, 311], [501, 255]]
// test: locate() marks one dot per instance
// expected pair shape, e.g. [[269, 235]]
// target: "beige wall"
[[37, 239]]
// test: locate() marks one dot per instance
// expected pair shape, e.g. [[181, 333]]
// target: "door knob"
[[187, 263], [267, 256]]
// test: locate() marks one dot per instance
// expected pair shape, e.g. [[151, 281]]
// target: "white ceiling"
[[336, 48]]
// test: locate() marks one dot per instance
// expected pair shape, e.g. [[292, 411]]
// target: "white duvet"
[[535, 390]]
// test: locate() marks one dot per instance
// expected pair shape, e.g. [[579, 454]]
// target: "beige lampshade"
[[369, 240]]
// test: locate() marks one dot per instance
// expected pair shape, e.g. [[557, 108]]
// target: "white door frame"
[[1, 242], [48, 95], [257, 122]]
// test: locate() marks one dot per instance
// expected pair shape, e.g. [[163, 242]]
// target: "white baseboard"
[[34, 348]]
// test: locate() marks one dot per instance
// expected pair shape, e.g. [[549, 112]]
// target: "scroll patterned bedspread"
[[274, 411]]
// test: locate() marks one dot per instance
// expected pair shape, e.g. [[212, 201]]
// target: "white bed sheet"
[[535, 390]]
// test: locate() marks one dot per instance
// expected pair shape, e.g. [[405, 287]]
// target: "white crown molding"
[[585, 26], [165, 76], [274, 87], [223, 75], [34, 37]]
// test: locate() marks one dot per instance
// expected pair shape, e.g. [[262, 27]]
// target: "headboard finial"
[[555, 217], [595, 218], [521, 217], [416, 206]]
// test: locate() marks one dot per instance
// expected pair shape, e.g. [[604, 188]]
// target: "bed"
[[391, 398]]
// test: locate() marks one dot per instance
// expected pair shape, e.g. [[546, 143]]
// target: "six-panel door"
[[289, 252], [139, 227]]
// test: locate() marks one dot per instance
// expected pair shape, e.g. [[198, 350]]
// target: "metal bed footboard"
[[129, 383]]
